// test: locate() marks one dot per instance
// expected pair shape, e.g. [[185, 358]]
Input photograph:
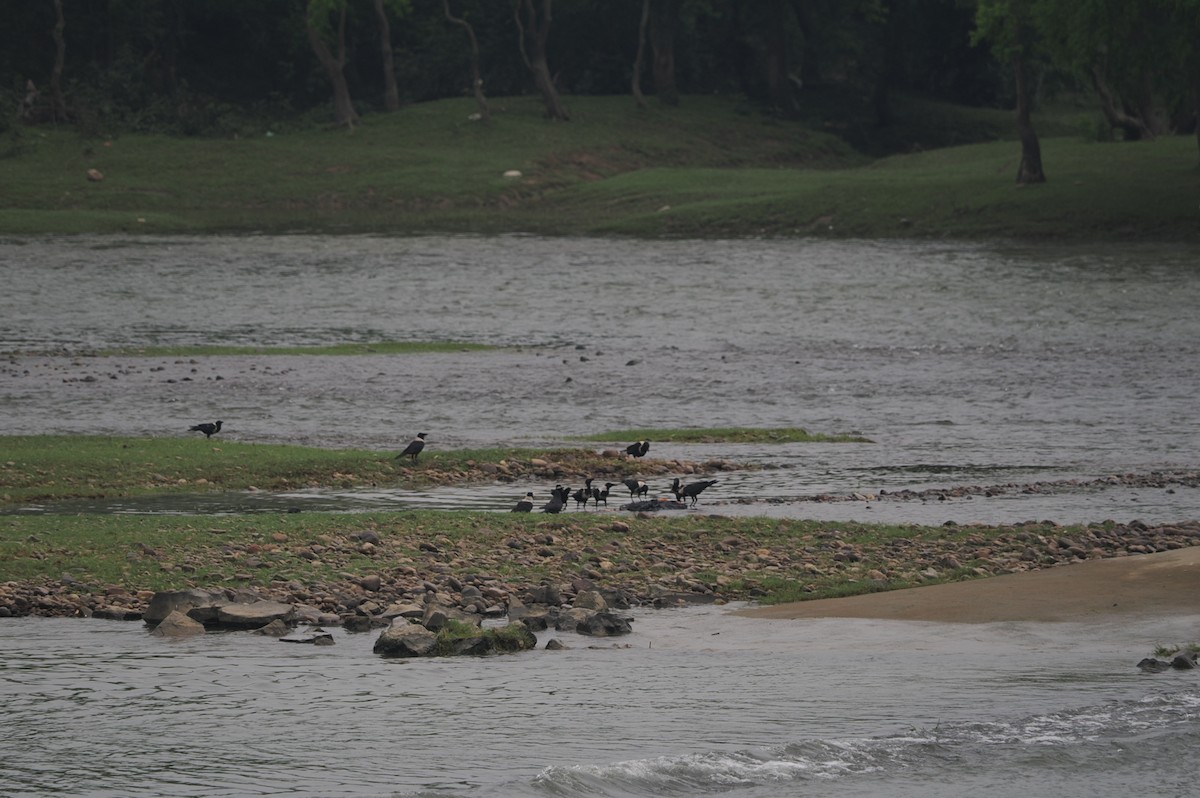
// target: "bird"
[[638, 449], [414, 447], [602, 495], [209, 430], [692, 490], [525, 505], [636, 487], [557, 500], [584, 494]]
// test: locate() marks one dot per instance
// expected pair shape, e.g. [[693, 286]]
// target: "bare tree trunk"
[[1030, 169], [536, 33], [1134, 128], [391, 94], [641, 51], [664, 21], [59, 111], [777, 64], [485, 112], [343, 107]]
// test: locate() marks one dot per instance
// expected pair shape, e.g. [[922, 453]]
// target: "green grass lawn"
[[712, 167]]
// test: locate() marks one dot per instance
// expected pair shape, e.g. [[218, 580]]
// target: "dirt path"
[[1150, 584]]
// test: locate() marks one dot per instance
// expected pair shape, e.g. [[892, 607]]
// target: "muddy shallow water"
[[963, 363]]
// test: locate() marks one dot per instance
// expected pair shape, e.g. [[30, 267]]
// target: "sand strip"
[[1147, 584]]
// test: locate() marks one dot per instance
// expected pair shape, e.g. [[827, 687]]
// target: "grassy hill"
[[711, 167]]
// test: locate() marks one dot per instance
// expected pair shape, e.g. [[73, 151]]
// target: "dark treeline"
[[205, 67], [177, 64]]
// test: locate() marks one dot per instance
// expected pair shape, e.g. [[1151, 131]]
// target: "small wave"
[[1064, 739]]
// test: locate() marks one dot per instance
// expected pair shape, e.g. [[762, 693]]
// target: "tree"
[[533, 34], [391, 94], [485, 112], [60, 50], [316, 24], [1005, 24], [641, 51], [664, 24]]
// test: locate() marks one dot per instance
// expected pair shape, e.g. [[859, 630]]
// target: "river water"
[[965, 364]]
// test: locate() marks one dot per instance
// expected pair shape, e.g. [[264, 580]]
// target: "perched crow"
[[692, 490], [414, 447], [638, 449], [636, 487], [209, 430], [525, 505]]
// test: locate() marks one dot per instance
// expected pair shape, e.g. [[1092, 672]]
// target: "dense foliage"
[[225, 68]]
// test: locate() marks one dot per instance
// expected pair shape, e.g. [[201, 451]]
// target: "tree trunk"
[[664, 21], [777, 63], [343, 107], [391, 94], [532, 37], [485, 112], [59, 111], [1134, 128], [641, 50], [1030, 168]]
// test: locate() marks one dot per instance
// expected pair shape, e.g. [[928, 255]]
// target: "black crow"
[[602, 495], [414, 447], [525, 505], [584, 494], [636, 487], [638, 449], [209, 430], [693, 489], [557, 500]]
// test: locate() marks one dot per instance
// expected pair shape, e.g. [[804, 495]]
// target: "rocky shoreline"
[[658, 570]]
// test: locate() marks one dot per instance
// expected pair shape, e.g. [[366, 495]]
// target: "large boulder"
[[604, 624], [252, 616], [177, 624], [164, 602], [405, 639]]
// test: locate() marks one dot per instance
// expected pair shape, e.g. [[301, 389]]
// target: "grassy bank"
[[47, 467], [710, 167]]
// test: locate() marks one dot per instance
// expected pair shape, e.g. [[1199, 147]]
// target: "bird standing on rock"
[[209, 430], [525, 505], [414, 447], [638, 449]]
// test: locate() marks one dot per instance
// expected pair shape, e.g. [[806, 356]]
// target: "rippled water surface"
[[964, 364], [693, 703]]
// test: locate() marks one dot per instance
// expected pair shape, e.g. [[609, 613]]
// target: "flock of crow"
[[560, 495], [638, 489]]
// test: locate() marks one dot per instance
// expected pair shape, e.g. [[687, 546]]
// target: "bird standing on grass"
[[209, 430], [525, 505], [638, 449], [414, 447]]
